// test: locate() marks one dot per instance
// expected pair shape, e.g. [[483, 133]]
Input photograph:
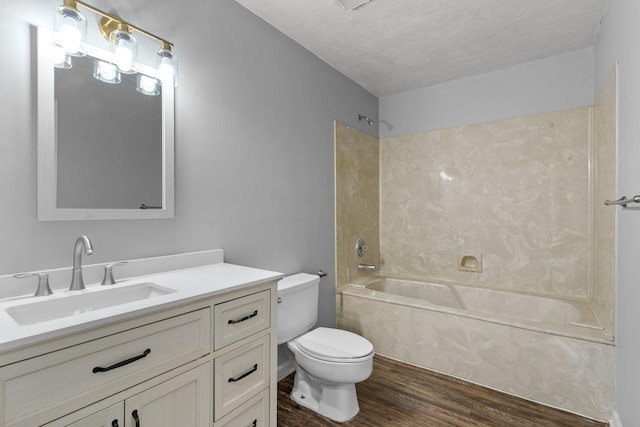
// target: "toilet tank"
[[297, 305]]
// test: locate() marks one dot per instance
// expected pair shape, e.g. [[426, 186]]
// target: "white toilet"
[[329, 362]]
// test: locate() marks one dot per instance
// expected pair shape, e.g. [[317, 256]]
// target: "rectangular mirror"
[[105, 151]]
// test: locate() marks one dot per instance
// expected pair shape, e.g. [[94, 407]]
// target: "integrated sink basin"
[[43, 311]]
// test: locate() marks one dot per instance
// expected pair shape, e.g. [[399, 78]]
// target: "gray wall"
[[618, 41], [254, 146], [557, 83]]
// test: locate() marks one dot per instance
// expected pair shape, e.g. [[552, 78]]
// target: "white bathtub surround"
[[357, 201], [524, 193], [525, 196], [604, 182], [513, 190], [550, 363]]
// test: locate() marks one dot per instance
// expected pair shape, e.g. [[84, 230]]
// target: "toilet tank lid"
[[335, 343], [297, 282]]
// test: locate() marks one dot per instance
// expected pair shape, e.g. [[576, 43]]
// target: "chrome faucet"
[[366, 267], [77, 283]]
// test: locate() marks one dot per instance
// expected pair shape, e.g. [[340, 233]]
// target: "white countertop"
[[190, 284]]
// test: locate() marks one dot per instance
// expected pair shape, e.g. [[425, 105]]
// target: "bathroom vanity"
[[197, 348]]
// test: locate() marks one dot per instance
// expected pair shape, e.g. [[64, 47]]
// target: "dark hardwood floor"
[[398, 394]]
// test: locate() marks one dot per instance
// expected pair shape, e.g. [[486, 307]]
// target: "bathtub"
[[549, 350], [567, 317]]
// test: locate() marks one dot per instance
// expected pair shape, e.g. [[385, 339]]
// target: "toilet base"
[[338, 402]]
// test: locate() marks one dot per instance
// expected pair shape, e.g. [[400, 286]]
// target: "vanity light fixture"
[[71, 27]]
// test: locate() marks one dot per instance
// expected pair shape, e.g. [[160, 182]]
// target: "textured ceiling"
[[390, 46]]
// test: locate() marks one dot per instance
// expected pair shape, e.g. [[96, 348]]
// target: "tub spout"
[[367, 267]]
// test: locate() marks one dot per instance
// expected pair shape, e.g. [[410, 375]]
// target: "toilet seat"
[[335, 345]]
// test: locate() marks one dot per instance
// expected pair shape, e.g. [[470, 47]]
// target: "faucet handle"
[[43, 283], [108, 273]]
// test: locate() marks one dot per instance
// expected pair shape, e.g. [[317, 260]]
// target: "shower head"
[[362, 117]]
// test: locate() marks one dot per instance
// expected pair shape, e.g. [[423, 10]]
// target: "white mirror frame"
[[47, 146]]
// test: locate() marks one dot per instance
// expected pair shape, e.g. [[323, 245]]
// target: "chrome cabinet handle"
[[120, 364], [247, 317], [246, 374]]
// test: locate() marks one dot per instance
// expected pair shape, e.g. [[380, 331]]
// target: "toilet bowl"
[[327, 373], [328, 362]]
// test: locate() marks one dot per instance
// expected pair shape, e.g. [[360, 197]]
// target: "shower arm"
[[362, 117]]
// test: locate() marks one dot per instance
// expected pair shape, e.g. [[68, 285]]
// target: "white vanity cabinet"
[[208, 362]]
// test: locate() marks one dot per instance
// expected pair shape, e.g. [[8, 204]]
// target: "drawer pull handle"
[[136, 418], [120, 364], [247, 317], [254, 424], [114, 423], [246, 374]]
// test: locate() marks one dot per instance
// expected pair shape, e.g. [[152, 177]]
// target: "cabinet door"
[[183, 401], [110, 417]]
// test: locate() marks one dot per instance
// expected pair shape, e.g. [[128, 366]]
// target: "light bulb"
[[125, 51], [124, 57], [71, 35], [167, 65], [70, 28], [165, 71]]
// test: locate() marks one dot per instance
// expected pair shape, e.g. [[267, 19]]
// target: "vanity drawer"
[[241, 317], [63, 381], [240, 374], [253, 413]]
